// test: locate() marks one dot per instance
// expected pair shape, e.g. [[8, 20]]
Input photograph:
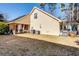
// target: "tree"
[[42, 5], [3, 17], [4, 28], [73, 12], [62, 5], [52, 7]]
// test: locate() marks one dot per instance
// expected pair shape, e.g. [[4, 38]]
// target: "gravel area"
[[20, 46]]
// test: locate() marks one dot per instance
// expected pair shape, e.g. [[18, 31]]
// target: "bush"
[[4, 28]]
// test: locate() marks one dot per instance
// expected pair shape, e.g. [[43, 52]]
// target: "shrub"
[[4, 28]]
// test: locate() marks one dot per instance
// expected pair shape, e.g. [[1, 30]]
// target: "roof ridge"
[[19, 17], [48, 13]]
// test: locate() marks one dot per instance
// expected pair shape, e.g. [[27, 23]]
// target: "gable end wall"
[[44, 23]]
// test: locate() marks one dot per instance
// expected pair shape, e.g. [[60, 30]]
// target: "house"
[[20, 24], [37, 22], [42, 22], [71, 26]]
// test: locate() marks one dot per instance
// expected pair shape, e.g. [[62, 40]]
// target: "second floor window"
[[35, 15]]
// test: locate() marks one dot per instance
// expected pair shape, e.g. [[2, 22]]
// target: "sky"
[[15, 10]]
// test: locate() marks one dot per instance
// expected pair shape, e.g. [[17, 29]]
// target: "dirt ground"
[[20, 46]]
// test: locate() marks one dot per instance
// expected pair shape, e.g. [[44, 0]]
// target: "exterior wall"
[[78, 27], [18, 27], [21, 23], [44, 23], [12, 26], [23, 20]]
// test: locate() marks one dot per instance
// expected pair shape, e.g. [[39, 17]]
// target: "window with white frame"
[[35, 15]]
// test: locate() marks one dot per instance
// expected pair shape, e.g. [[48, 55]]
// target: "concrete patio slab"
[[68, 41]]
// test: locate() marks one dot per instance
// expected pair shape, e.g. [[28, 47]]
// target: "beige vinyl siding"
[[49, 25], [23, 20]]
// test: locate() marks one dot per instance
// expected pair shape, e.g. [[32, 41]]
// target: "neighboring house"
[[37, 22], [20, 24], [71, 26]]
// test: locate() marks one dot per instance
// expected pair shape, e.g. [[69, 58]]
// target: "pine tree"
[[2, 18]]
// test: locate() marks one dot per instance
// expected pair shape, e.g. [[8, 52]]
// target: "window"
[[74, 27], [61, 27], [35, 15]]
